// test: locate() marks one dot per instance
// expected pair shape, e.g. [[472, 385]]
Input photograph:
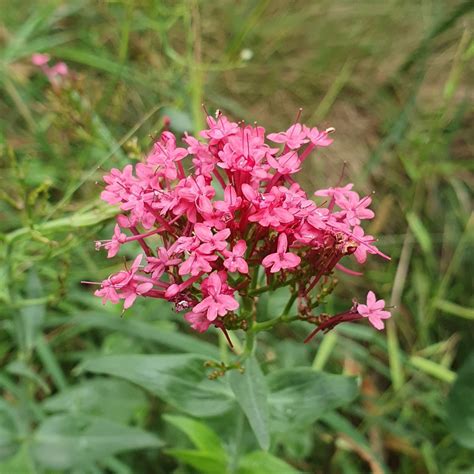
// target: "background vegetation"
[[395, 80]]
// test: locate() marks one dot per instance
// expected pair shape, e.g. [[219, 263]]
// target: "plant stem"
[[250, 338], [257, 327]]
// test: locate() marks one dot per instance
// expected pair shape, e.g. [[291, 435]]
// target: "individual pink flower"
[[282, 259], [231, 201], [118, 185], [331, 192], [270, 209], [319, 218], [219, 128], [293, 138], [210, 241], [165, 154], [39, 59], [113, 245], [195, 196], [374, 311], [354, 209], [59, 69], [122, 285], [364, 244], [198, 321], [130, 293], [289, 163], [234, 261], [216, 303], [197, 263], [157, 265], [316, 137], [53, 73]]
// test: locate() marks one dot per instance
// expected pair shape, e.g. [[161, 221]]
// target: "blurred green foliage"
[[395, 80]]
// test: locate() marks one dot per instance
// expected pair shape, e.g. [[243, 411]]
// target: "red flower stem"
[[333, 322], [181, 172], [307, 151], [219, 178], [138, 236], [143, 244], [226, 334], [151, 280], [155, 294]]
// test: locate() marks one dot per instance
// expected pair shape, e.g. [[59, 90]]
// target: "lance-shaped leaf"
[[298, 397], [180, 380], [69, 441], [251, 393]]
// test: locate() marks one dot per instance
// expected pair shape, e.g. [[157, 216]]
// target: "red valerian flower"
[[209, 218], [218, 302], [374, 310], [281, 259], [235, 261]]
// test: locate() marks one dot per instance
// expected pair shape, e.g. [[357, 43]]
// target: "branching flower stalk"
[[221, 220]]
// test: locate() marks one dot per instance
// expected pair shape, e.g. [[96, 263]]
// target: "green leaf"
[[123, 399], [179, 379], [68, 441], [172, 339], [98, 60], [342, 426], [201, 435], [18, 367], [300, 396], [261, 462], [203, 461], [21, 463], [455, 309], [9, 435], [251, 393], [421, 233], [31, 317], [50, 362], [460, 409]]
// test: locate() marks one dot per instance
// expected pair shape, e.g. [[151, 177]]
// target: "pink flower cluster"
[[54, 73], [210, 214]]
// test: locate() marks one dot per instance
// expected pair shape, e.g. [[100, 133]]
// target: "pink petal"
[[282, 243], [215, 282], [363, 310], [377, 323], [291, 260], [249, 192], [129, 300], [212, 312], [277, 137], [270, 260], [229, 302], [380, 304], [39, 59], [370, 298], [276, 267], [203, 232], [384, 314], [239, 248], [203, 305], [144, 288], [242, 266], [222, 234]]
